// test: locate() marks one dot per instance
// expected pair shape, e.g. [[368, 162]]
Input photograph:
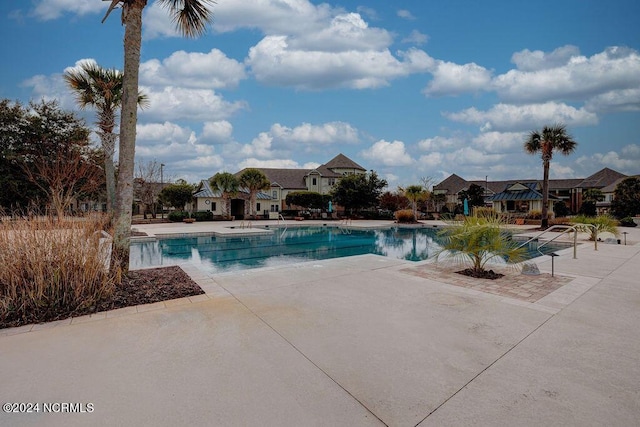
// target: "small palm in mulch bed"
[[483, 274]]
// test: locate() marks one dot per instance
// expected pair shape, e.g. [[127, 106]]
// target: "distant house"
[[604, 206], [283, 181], [567, 190], [520, 197]]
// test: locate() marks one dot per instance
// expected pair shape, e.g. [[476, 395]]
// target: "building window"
[[275, 208], [213, 206], [315, 181], [257, 207], [332, 181], [274, 194]]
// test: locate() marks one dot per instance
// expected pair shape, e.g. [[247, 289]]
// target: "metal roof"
[[529, 194], [205, 191]]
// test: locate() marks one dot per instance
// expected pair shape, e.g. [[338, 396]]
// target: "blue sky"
[[410, 89]]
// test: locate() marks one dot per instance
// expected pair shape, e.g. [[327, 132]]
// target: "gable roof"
[[602, 178], [205, 191], [519, 190], [612, 187], [342, 162]]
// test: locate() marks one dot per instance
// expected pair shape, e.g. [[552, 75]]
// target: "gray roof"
[[612, 187], [342, 162], [204, 190], [454, 184], [531, 193], [601, 179]]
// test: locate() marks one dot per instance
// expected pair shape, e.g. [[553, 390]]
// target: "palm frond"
[[190, 16]]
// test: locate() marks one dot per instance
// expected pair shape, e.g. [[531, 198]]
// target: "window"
[[315, 181], [257, 207], [213, 206], [332, 181], [274, 194], [274, 208]]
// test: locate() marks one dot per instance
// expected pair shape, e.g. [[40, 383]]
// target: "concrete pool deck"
[[353, 341]]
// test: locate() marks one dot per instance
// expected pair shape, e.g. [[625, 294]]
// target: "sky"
[[411, 89]]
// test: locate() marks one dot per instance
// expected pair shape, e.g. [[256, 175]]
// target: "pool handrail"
[[573, 228]]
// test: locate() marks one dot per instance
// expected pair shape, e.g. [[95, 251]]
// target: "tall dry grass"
[[51, 268]]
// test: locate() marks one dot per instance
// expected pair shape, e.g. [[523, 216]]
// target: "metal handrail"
[[283, 221], [573, 228]]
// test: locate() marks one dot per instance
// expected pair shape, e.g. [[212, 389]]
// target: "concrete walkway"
[[347, 342]]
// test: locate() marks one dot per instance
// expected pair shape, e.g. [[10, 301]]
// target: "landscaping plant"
[[596, 225], [477, 241], [52, 268]]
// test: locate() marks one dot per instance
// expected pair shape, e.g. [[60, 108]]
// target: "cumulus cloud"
[[625, 161], [212, 70], [306, 133], [580, 78], [454, 79], [416, 37], [500, 142], [405, 14], [46, 10], [217, 132], [615, 100], [506, 117], [388, 154], [527, 60], [177, 103], [272, 163], [439, 143]]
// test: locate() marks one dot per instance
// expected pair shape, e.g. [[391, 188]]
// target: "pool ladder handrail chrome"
[[343, 226], [280, 217], [573, 228]]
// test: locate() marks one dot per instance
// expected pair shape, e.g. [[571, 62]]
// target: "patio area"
[[357, 341]]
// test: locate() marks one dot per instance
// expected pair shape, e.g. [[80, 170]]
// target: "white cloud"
[[46, 10], [500, 142], [260, 146], [627, 160], [217, 132], [273, 163], [440, 143], [455, 79], [388, 154], [327, 133], [176, 103], [212, 70], [505, 117], [405, 14], [615, 100], [416, 37], [527, 60], [431, 161], [581, 78], [274, 62]]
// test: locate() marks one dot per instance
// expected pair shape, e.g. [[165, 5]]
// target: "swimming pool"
[[219, 254]]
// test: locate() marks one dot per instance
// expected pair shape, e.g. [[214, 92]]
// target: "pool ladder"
[[280, 217], [573, 228]]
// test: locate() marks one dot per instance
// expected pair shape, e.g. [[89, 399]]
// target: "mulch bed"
[[138, 287], [484, 274]]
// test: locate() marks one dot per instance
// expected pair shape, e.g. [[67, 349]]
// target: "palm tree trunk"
[[545, 195], [132, 19], [108, 146]]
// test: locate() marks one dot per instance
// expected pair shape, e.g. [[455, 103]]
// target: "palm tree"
[[415, 194], [101, 89], [550, 139], [191, 18], [254, 180], [227, 184]]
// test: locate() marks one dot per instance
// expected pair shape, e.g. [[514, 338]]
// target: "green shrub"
[[404, 216], [484, 212], [628, 222], [202, 216], [602, 223], [534, 215], [560, 209], [53, 268], [178, 216]]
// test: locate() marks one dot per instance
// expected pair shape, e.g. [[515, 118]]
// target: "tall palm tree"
[[550, 139], [191, 18], [101, 89], [254, 180], [227, 184]]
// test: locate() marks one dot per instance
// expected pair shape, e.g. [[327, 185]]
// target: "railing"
[[247, 224], [573, 228], [280, 217], [343, 224]]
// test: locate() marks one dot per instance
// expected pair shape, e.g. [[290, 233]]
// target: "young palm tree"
[[254, 180], [101, 89], [550, 139], [415, 194], [227, 184], [191, 18]]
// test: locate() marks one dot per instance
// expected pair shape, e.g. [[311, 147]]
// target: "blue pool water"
[[216, 254]]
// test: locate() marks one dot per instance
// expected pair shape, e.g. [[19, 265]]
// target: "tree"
[[415, 194], [305, 199], [191, 18], [358, 191], [626, 198], [37, 134], [147, 186], [474, 195], [227, 184], [101, 89], [560, 209], [550, 139], [254, 180], [479, 240], [177, 195], [393, 201], [592, 195]]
